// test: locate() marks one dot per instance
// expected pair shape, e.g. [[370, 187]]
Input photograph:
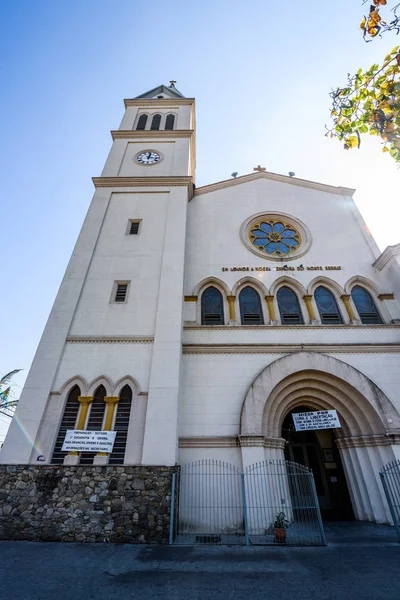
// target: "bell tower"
[[119, 309]]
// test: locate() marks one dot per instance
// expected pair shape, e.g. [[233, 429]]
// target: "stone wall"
[[124, 504]]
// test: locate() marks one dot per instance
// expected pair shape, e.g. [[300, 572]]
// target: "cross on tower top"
[[172, 82], [259, 168]]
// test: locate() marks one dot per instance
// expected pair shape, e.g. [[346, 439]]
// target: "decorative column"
[[310, 308], [349, 308], [231, 300], [271, 310], [101, 458], [72, 457]]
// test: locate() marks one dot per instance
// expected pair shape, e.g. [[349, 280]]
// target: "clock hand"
[[149, 155]]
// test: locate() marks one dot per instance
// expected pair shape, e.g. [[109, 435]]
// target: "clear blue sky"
[[260, 72]]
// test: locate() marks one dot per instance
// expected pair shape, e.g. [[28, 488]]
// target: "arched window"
[[212, 307], [250, 307], [68, 422], [169, 122], [142, 122], [95, 421], [155, 123], [121, 426], [289, 307], [327, 307], [365, 306]]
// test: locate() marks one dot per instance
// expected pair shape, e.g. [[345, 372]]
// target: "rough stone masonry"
[[85, 503]]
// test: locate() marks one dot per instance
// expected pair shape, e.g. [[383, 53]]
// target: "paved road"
[[53, 571]]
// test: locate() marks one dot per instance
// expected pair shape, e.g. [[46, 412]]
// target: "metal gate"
[[219, 504], [210, 505], [390, 477]]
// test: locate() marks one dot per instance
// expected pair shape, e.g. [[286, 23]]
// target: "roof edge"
[[342, 191]]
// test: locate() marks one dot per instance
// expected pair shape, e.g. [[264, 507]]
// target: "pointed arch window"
[[95, 421], [250, 307], [212, 307], [365, 306], [121, 426], [155, 123], [289, 307], [68, 422], [142, 122], [327, 306], [169, 122]]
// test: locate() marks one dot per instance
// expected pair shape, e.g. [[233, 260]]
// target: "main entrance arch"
[[320, 382]]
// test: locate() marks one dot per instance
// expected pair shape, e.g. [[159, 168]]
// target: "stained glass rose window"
[[275, 238]]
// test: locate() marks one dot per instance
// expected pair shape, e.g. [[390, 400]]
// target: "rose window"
[[275, 238]]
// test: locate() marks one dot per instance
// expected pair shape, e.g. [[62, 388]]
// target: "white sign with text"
[[320, 419], [89, 441]]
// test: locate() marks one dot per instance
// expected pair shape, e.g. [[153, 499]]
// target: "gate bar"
[[172, 513], [389, 501], [321, 527], [246, 529]]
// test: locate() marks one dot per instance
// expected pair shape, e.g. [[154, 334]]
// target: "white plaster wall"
[[174, 152], [338, 232], [112, 360], [214, 387], [121, 257], [229, 455], [318, 334]]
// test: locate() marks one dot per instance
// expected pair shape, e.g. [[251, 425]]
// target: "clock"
[[148, 157]]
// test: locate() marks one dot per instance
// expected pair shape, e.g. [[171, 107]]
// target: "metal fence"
[[210, 505], [390, 477], [217, 504]]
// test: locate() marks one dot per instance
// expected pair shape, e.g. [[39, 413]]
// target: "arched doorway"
[[369, 421], [317, 450]]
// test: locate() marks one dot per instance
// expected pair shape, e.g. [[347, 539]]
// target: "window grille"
[[142, 122], [169, 122], [95, 422], [68, 422], [134, 229], [155, 123], [365, 306], [327, 306], [121, 426], [120, 294], [289, 307], [250, 307], [212, 307]]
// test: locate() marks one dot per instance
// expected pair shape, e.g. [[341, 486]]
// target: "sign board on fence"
[[89, 441], [320, 419]]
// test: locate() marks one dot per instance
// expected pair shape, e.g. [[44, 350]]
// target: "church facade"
[[195, 321]]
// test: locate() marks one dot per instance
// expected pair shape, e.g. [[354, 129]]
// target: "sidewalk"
[[361, 563]]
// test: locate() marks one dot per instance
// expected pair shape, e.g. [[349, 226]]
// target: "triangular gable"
[[274, 177], [161, 90]]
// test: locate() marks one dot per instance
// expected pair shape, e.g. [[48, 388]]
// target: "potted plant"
[[280, 526]]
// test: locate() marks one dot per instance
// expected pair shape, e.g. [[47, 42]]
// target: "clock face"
[[148, 157]]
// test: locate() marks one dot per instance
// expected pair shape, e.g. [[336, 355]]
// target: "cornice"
[[209, 442], [153, 102], [290, 348], [143, 134], [109, 339], [387, 255], [386, 296], [232, 441], [112, 182], [341, 191], [290, 327], [368, 441]]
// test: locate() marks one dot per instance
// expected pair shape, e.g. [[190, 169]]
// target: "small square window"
[[121, 291], [133, 227]]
